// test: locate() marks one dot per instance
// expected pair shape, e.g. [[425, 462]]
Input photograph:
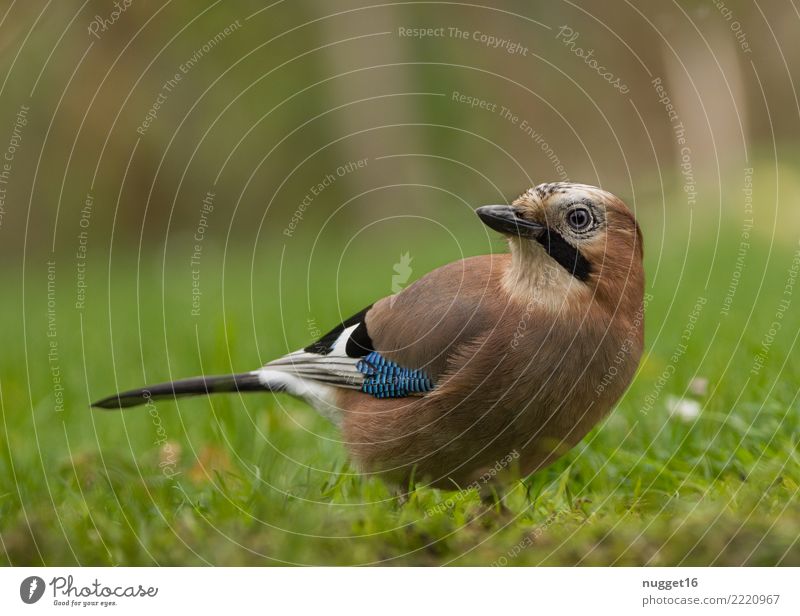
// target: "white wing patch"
[[315, 377], [336, 371], [335, 368], [341, 342]]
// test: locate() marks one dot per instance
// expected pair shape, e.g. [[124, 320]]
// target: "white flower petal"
[[683, 408]]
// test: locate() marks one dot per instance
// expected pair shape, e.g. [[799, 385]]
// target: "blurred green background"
[[200, 186]]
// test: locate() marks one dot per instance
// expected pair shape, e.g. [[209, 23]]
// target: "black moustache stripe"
[[569, 257]]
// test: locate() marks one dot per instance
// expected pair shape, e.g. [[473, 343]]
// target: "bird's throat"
[[534, 275]]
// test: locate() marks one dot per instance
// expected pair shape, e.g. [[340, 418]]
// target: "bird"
[[495, 357]]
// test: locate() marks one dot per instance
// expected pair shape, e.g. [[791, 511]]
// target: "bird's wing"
[[400, 345]]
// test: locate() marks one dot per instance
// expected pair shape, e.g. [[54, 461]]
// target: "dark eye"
[[579, 219]]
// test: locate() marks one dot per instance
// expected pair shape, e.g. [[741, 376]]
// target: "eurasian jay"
[[500, 355]]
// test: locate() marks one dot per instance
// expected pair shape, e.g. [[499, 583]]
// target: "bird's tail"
[[199, 385]]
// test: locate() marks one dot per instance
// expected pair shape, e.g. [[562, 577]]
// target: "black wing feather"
[[358, 345]]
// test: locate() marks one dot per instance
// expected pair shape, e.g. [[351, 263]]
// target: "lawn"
[[261, 480]]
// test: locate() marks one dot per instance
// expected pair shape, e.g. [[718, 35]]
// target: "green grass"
[[262, 480]]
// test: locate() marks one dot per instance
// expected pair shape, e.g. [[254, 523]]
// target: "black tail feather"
[[199, 385]]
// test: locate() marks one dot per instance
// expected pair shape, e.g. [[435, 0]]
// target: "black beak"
[[508, 219]]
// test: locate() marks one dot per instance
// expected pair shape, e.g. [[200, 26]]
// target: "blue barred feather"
[[386, 379]]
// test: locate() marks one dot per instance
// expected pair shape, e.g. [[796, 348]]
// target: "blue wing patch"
[[386, 379]]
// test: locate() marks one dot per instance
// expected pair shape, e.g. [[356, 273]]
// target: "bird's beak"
[[508, 219]]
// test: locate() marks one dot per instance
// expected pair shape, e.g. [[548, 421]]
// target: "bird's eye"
[[579, 219]]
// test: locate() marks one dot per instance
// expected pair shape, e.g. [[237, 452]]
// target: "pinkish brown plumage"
[[489, 357]]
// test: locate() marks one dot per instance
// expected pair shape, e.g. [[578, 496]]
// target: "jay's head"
[[588, 232]]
